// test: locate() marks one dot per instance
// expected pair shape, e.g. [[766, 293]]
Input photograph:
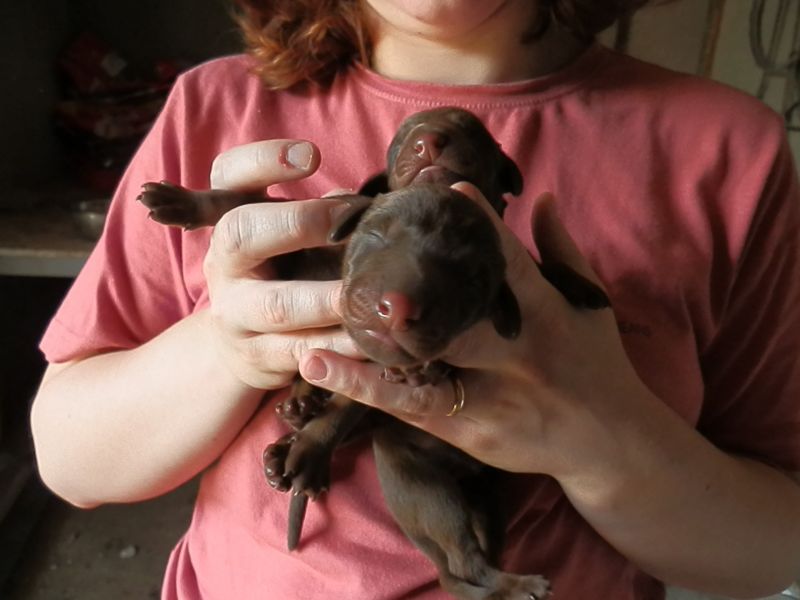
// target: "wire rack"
[[775, 44]]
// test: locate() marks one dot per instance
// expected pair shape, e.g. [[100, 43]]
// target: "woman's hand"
[[563, 399], [131, 424], [262, 327], [521, 396]]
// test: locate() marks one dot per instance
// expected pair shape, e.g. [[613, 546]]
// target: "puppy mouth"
[[381, 347], [385, 339], [437, 174], [384, 348]]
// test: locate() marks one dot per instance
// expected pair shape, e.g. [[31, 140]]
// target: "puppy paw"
[[274, 461], [296, 462], [305, 403], [522, 587], [170, 204], [308, 466]]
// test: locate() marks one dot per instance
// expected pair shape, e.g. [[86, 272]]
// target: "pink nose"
[[396, 310], [429, 145]]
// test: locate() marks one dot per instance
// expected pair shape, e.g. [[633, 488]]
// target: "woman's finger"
[[248, 235], [256, 306], [339, 192], [362, 382], [283, 352], [269, 361], [260, 164]]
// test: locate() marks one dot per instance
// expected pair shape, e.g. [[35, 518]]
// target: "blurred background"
[[83, 80]]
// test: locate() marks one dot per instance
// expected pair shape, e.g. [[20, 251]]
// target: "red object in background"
[[108, 108], [93, 67]]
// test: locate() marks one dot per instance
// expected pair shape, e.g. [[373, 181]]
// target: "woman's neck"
[[492, 52]]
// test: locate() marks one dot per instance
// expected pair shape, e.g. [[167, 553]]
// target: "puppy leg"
[[174, 205], [300, 461], [427, 499]]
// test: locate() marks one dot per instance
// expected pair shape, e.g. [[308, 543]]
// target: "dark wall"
[[32, 33], [26, 305]]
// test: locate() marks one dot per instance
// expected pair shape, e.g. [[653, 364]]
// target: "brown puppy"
[[422, 265]]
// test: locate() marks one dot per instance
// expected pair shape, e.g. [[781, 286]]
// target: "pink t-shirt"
[[681, 193]]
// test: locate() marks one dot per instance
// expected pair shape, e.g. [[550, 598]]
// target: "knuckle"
[[484, 443], [265, 355], [306, 222], [209, 266], [251, 351], [341, 343], [356, 388], [333, 301], [291, 222], [331, 339], [276, 308], [223, 308], [222, 328], [231, 232], [297, 347], [213, 265], [218, 317], [421, 400]]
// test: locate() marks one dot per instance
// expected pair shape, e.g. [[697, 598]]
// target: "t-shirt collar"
[[538, 89]]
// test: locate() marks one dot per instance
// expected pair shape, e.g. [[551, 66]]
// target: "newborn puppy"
[[423, 263]]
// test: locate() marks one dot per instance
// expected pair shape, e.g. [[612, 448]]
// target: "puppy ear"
[[509, 176], [506, 316], [377, 184], [348, 219], [400, 136]]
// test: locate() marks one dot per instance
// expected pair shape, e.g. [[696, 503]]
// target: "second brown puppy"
[[423, 264]]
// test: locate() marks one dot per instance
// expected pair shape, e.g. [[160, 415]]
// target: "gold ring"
[[458, 388]]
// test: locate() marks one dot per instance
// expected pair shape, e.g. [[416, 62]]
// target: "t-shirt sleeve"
[[752, 366], [131, 287]]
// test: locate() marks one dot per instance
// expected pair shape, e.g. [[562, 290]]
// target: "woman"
[[655, 443]]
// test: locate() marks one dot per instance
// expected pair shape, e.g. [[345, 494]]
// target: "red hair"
[[298, 42], [302, 41]]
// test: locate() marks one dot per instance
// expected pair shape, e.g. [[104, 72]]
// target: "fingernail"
[[315, 369], [299, 155], [339, 192], [216, 177]]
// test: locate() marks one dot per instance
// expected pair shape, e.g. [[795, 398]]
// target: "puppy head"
[[423, 264], [446, 145]]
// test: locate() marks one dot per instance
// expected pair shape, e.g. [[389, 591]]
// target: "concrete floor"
[[110, 552]]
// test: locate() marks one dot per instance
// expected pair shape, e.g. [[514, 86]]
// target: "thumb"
[[562, 263], [257, 165], [552, 239]]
